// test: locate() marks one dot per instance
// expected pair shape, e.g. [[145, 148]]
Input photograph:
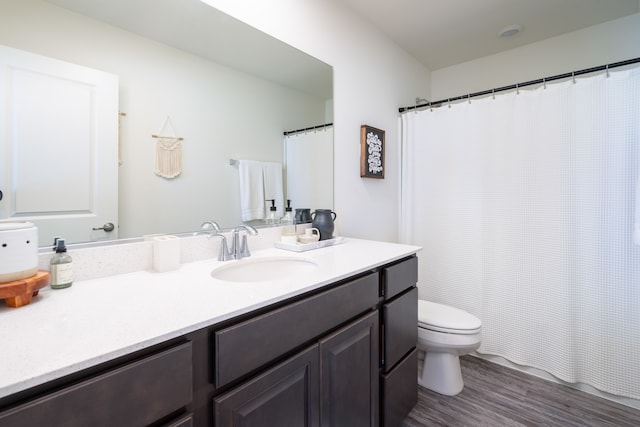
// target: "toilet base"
[[441, 373]]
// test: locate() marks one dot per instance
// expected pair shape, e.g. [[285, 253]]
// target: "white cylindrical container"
[[18, 251], [166, 253]]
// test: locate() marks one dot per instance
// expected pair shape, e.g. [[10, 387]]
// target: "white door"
[[58, 146]]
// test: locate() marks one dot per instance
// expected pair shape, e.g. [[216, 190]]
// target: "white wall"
[[373, 77], [593, 46], [157, 81]]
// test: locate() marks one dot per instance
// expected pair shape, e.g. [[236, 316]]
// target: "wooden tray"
[[19, 292]]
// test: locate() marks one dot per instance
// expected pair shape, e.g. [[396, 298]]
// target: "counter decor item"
[[288, 223], [303, 215], [323, 220], [20, 279], [19, 292], [272, 217], [61, 266], [371, 152], [166, 253], [310, 235], [18, 250]]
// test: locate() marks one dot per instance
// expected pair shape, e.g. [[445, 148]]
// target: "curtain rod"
[[291, 132], [529, 83]]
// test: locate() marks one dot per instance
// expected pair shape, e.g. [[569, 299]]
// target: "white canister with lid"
[[18, 250]]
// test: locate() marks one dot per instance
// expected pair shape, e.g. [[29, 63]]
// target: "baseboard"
[[633, 403]]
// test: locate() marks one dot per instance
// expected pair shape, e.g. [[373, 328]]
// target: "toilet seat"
[[443, 318]]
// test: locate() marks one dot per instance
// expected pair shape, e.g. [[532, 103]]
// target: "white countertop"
[[67, 330]]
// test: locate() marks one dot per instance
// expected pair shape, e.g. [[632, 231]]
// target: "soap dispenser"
[[272, 218], [61, 266], [289, 224]]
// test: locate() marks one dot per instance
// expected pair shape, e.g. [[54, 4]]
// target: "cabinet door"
[[286, 395], [349, 374], [400, 320]]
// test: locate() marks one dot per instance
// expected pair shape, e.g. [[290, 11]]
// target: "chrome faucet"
[[212, 229], [240, 248]]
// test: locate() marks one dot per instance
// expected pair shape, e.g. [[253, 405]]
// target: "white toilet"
[[444, 334]]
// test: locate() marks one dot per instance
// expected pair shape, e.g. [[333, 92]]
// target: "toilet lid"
[[442, 317]]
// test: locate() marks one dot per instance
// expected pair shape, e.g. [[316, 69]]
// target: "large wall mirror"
[[227, 89]]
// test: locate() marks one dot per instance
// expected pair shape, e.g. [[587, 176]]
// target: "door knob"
[[107, 227], [0, 194]]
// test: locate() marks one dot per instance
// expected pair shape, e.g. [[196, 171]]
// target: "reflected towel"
[[251, 190], [273, 189]]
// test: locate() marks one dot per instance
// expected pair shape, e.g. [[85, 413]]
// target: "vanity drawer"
[[400, 323], [399, 390], [398, 277], [136, 394], [246, 346]]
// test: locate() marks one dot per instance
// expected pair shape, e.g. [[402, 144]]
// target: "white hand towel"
[[273, 188], [251, 190]]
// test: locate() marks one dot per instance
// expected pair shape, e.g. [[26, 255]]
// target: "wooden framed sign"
[[371, 152]]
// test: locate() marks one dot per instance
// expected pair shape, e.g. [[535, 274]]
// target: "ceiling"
[[441, 33]]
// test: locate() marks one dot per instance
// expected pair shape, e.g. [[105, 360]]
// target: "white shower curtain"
[[308, 160], [525, 207]]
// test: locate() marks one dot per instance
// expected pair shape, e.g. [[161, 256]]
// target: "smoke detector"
[[510, 31]]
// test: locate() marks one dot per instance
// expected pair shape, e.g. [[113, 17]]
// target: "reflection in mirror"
[[229, 91]]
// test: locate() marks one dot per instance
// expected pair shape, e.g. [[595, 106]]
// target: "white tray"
[[301, 247]]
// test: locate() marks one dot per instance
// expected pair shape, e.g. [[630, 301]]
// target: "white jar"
[[18, 250]]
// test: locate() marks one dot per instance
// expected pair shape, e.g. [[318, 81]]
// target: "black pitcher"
[[323, 221], [303, 215]]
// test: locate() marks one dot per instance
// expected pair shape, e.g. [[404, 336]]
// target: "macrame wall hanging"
[[168, 152]]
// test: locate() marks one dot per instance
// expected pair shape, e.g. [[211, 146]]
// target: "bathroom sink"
[[264, 269]]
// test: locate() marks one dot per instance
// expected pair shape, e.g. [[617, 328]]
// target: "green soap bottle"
[[61, 266]]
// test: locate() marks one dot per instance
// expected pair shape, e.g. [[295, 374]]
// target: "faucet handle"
[[244, 248], [248, 228], [224, 254], [210, 225]]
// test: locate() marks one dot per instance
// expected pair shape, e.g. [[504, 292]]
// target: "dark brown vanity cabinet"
[[399, 364], [138, 393], [341, 355]]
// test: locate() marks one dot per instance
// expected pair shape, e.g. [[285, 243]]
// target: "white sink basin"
[[264, 269]]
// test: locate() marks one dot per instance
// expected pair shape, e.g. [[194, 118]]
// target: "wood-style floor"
[[495, 395]]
